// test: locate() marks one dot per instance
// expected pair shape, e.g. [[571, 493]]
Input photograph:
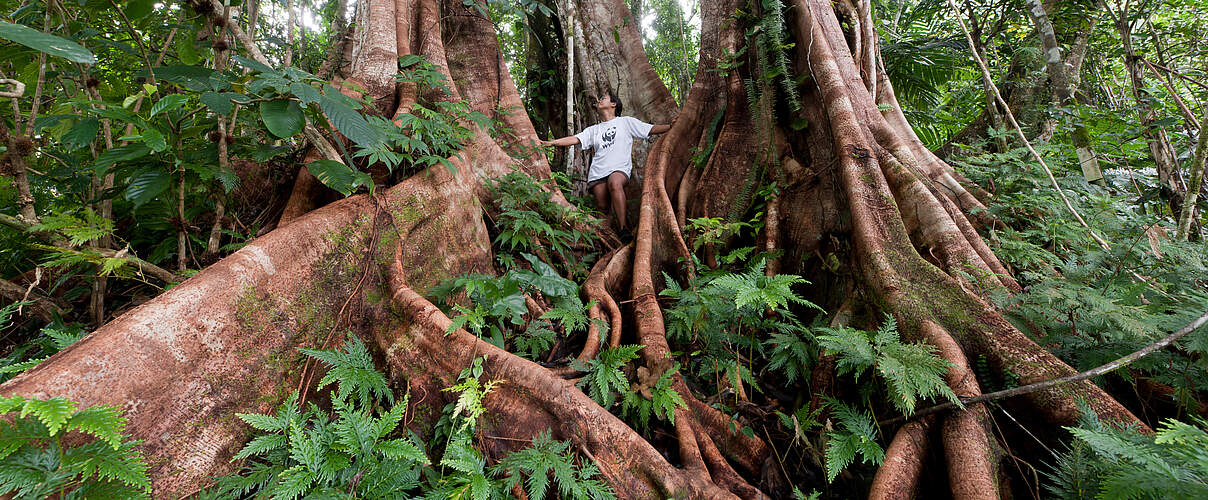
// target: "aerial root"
[[751, 455], [771, 234], [898, 476], [723, 474], [603, 278], [689, 451], [972, 471]]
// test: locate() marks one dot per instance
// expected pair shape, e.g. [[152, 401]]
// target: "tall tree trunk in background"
[[568, 19], [1195, 182], [1055, 64], [856, 180], [1159, 145], [991, 109]]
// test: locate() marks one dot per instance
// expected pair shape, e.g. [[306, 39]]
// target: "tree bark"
[[1196, 171], [1159, 145], [1055, 64]]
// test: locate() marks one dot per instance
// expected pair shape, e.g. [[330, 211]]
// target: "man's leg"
[[616, 188], [600, 192]]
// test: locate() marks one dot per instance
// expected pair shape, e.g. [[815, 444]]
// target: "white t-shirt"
[[613, 144]]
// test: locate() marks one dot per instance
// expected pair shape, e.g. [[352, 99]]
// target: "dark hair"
[[613, 96]]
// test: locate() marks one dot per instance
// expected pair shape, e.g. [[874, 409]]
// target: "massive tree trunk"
[[856, 180]]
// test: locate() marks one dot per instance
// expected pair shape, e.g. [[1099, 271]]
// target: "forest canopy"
[[324, 249]]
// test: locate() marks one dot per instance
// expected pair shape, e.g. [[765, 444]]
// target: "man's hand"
[[660, 129], [545, 143]]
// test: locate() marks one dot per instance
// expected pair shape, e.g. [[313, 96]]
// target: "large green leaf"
[[44, 42], [282, 117], [305, 93], [169, 103], [186, 50], [255, 65], [339, 176], [138, 9], [155, 140], [191, 77], [82, 133], [220, 102], [146, 186], [112, 156], [350, 123]]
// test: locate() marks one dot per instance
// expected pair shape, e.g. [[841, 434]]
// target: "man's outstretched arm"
[[569, 140], [659, 129]]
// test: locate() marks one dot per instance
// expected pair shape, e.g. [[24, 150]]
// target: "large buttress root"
[[898, 276]]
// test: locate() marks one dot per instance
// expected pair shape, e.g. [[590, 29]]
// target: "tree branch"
[[43, 306], [143, 266], [1019, 131]]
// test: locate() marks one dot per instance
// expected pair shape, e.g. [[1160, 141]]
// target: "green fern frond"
[[103, 422], [550, 458], [123, 463], [353, 371], [853, 348], [855, 434], [790, 353], [604, 378], [53, 412]]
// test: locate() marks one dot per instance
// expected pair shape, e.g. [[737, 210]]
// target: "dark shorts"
[[592, 184]]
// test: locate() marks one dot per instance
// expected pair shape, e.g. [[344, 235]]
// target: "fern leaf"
[[353, 371], [53, 412], [262, 444], [402, 449], [462, 457], [123, 464], [103, 422], [266, 423], [294, 481], [854, 435]]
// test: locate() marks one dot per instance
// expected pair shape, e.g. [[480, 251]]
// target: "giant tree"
[[852, 180]]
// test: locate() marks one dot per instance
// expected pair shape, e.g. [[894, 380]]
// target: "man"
[[611, 160]]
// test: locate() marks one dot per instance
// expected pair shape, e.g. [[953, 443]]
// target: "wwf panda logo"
[[607, 138]]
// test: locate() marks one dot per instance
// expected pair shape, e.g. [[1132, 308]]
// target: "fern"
[[854, 435], [352, 449], [537, 338], [78, 230], [51, 339], [547, 458], [36, 463], [791, 354], [498, 307], [659, 400], [353, 372], [530, 221], [1122, 463], [753, 289], [604, 378], [911, 371]]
